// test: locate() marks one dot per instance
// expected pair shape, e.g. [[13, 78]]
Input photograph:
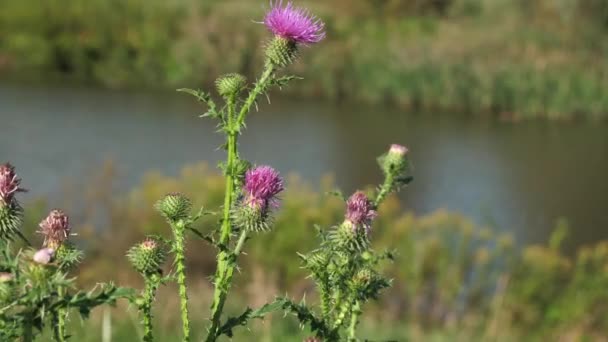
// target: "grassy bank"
[[514, 59], [453, 280]]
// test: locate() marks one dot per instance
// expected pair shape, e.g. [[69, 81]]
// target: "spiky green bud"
[[174, 206], [11, 218], [348, 237], [281, 52], [230, 84], [395, 161], [68, 256], [147, 257], [252, 218]]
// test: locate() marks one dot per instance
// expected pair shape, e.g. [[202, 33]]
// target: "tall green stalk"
[[151, 285], [59, 318], [180, 269], [226, 260]]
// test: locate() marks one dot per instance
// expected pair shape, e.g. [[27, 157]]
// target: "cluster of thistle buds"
[[11, 213], [260, 190]]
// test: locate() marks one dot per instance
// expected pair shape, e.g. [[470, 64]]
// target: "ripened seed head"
[[44, 256], [148, 256], [230, 84], [9, 184], [174, 206], [55, 228]]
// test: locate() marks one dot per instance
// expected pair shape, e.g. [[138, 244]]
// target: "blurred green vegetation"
[[453, 280], [515, 59]]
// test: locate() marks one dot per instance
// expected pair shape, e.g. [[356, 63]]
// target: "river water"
[[518, 177]]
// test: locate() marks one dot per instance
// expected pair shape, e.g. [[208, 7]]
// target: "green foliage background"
[[517, 59]]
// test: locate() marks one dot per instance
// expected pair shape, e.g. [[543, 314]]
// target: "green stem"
[[59, 320], [354, 320], [180, 268], [259, 88], [385, 189], [146, 308], [226, 261]]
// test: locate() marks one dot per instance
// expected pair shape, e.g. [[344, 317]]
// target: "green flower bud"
[[68, 256], [174, 206], [11, 218], [394, 162], [230, 84], [348, 237], [147, 257], [281, 52]]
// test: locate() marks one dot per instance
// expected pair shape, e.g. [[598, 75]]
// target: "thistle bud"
[[260, 191], [354, 232], [6, 277], [394, 162], [230, 84], [174, 206], [312, 339], [68, 256], [55, 228], [281, 52], [148, 256], [44, 256]]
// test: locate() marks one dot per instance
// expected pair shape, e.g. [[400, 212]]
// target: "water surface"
[[516, 177]]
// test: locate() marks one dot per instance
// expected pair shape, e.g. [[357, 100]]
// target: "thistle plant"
[[176, 209], [147, 258], [345, 267], [250, 194], [35, 290]]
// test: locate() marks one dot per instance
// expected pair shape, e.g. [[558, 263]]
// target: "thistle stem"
[[146, 307], [226, 261], [28, 333], [354, 320], [260, 87], [59, 318], [180, 268], [385, 189]]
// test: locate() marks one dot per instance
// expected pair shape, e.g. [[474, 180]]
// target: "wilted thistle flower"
[[262, 185], [11, 214], [291, 26], [353, 233], [9, 184], [148, 256], [44, 256], [174, 206], [6, 277], [55, 228], [360, 212]]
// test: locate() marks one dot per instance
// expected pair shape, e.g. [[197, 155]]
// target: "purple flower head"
[[55, 228], [360, 211], [9, 183], [398, 149], [262, 185], [44, 256], [293, 23]]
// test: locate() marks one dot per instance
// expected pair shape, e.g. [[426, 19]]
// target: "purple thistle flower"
[[55, 228], [360, 211], [293, 23], [9, 183], [262, 185]]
